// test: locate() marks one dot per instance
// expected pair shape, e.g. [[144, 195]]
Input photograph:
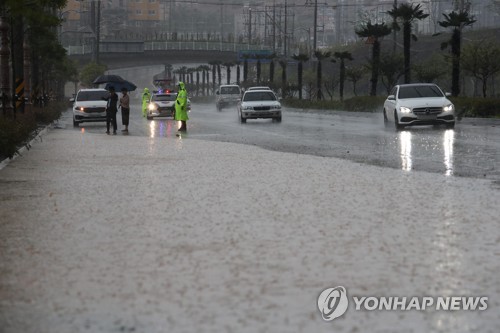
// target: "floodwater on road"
[[472, 149]]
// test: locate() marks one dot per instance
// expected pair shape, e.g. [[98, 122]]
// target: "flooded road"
[[472, 149]]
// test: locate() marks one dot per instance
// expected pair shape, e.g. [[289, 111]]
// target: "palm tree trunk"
[[299, 76], [375, 67], [341, 79], [406, 51], [318, 80], [455, 51]]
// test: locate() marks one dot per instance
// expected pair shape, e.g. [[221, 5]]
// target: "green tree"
[[320, 55], [481, 60], [354, 74], [374, 32], [407, 13], [300, 58], [90, 72], [457, 21], [430, 69], [391, 69], [342, 56]]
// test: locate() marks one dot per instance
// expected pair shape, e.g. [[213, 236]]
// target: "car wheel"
[[149, 118], [243, 120], [277, 119], [219, 108], [76, 123], [450, 125], [396, 122]]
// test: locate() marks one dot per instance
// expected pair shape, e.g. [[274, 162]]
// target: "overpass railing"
[[163, 46]]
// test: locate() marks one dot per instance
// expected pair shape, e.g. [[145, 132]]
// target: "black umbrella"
[[120, 85], [108, 78]]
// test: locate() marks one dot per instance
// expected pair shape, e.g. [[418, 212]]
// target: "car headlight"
[[276, 107], [152, 106], [448, 108], [404, 109], [79, 108], [247, 108]]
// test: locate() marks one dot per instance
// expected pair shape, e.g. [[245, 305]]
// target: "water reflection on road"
[[448, 142]]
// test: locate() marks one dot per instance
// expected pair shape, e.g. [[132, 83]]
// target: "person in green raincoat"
[[181, 107], [146, 96]]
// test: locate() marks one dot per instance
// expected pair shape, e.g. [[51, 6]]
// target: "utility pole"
[[249, 26], [98, 31], [394, 31], [286, 31], [315, 24]]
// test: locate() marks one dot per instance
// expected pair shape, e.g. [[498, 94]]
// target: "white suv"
[[90, 106], [228, 94]]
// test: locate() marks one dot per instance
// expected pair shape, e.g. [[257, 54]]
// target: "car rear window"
[[419, 92], [259, 96], [165, 98], [92, 96], [230, 90]]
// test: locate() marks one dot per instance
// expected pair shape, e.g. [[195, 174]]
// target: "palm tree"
[[283, 63], [320, 55], [457, 21], [238, 63], [374, 32], [271, 57], [301, 58], [228, 66], [342, 56], [203, 69], [213, 63], [407, 13]]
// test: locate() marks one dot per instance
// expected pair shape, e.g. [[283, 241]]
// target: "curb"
[[21, 150]]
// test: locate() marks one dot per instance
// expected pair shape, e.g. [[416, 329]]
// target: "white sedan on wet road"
[[418, 104], [259, 104]]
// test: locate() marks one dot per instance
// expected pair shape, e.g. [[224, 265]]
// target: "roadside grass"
[[17, 132]]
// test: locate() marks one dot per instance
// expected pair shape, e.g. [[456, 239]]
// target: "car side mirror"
[[447, 94], [72, 99], [391, 97]]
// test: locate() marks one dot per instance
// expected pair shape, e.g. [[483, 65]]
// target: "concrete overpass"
[[120, 54], [127, 59]]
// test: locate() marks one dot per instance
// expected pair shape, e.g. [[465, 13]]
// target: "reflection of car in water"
[[90, 106], [162, 104], [418, 104], [228, 94]]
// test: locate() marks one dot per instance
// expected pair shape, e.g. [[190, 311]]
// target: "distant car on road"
[[259, 104], [259, 88], [418, 104], [162, 104], [90, 106], [226, 95]]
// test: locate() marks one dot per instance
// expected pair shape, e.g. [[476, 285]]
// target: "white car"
[[163, 105], [259, 104], [418, 104], [259, 88], [90, 106], [226, 95]]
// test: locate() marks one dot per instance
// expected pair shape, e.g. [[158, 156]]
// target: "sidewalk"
[[134, 234]]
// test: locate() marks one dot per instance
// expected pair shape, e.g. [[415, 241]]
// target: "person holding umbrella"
[[111, 110], [146, 96], [125, 106]]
